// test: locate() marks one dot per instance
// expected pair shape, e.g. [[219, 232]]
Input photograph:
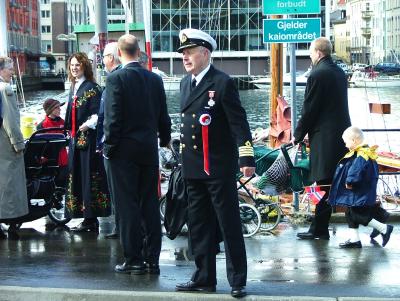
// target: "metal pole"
[[147, 30], [328, 19], [3, 28], [101, 31], [293, 107]]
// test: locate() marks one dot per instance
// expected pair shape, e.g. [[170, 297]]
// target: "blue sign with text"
[[300, 30]]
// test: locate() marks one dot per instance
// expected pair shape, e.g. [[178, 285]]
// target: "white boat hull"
[[376, 83], [265, 82], [373, 80]]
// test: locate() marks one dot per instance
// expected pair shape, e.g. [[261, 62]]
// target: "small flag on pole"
[[315, 193]]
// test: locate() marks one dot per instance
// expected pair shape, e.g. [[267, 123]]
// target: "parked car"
[[388, 68], [358, 67], [343, 66]]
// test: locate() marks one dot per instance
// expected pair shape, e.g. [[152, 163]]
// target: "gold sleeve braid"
[[246, 150]]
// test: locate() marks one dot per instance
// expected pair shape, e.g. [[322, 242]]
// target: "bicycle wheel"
[[250, 218], [385, 192], [57, 212], [162, 205], [270, 213]]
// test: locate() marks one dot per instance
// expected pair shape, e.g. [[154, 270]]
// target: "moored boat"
[[171, 83], [264, 82], [374, 80]]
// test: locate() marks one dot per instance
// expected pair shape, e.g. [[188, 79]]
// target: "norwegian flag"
[[315, 193]]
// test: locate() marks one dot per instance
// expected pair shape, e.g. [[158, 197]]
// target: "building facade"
[[235, 24], [374, 27], [57, 19], [23, 36]]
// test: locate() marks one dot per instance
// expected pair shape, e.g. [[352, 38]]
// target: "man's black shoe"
[[152, 268], [238, 291], [112, 235], [192, 286], [2, 234], [309, 235], [350, 245], [386, 236], [136, 269], [86, 227]]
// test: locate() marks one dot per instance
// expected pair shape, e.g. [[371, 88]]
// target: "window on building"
[[45, 14], [46, 29], [44, 1]]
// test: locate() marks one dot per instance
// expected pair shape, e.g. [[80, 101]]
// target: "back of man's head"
[[128, 46], [323, 45]]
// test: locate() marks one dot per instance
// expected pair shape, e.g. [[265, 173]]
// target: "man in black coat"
[[324, 117], [214, 135], [135, 116]]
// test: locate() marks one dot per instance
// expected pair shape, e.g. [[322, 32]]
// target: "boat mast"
[[3, 28], [276, 81]]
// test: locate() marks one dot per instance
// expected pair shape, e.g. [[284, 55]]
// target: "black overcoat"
[[228, 130], [136, 120], [324, 117]]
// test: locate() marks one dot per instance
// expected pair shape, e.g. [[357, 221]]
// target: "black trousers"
[[135, 196], [356, 216], [214, 203], [323, 212]]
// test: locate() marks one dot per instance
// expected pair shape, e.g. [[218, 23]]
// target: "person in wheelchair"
[[52, 108], [13, 195]]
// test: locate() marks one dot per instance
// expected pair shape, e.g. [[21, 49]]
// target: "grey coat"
[[13, 196]]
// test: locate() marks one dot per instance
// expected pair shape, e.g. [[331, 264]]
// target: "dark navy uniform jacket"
[[228, 131]]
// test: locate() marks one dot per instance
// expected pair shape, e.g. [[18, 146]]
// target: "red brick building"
[[23, 35]]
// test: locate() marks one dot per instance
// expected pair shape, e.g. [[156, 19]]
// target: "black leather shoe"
[[86, 227], [374, 234], [238, 291], [112, 235], [152, 268], [2, 234], [350, 245], [386, 236], [309, 235], [136, 269], [192, 286]]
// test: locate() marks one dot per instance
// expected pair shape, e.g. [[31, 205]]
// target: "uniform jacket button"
[[194, 115], [193, 137], [183, 115], [181, 125], [195, 146]]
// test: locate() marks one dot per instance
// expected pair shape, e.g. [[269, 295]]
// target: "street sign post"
[[299, 30], [291, 7]]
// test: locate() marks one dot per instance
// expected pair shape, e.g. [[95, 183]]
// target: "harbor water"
[[256, 103]]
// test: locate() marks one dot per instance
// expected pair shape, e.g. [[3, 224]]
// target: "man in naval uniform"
[[215, 135]]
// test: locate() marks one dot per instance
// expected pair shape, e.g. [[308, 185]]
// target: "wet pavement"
[[278, 264]]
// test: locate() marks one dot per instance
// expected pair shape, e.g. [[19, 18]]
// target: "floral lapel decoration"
[[79, 101]]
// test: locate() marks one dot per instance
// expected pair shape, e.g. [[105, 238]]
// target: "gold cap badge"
[[183, 38]]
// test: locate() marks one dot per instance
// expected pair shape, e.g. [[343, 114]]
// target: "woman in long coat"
[[87, 193], [13, 195]]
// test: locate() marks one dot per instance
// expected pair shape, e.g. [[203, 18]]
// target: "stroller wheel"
[[57, 211]]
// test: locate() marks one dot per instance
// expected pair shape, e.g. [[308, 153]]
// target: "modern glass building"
[[236, 25]]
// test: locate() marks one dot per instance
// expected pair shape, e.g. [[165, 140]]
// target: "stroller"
[[41, 167]]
